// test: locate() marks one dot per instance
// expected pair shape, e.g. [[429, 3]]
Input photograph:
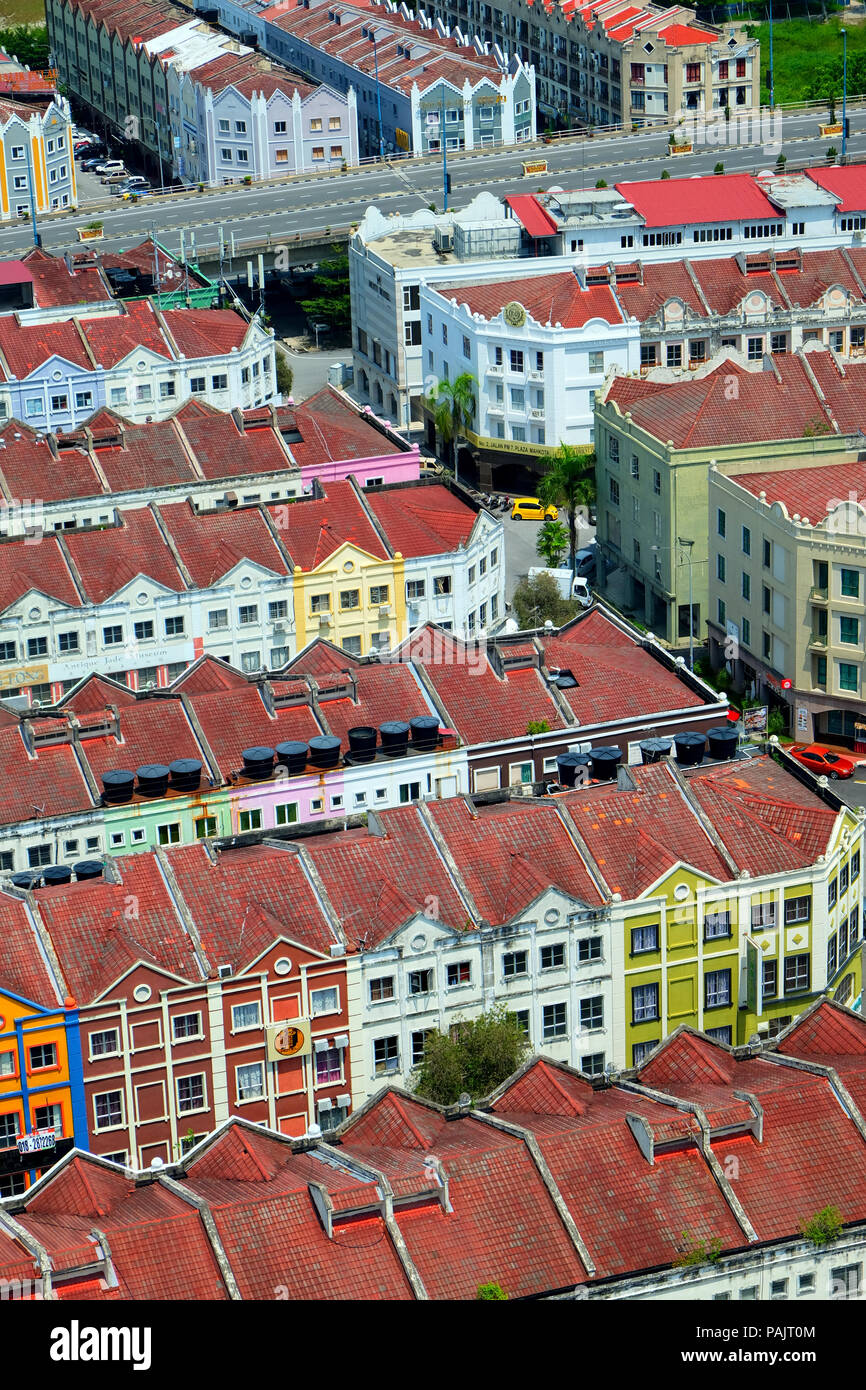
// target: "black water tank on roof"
[[56, 873], [293, 754], [152, 779], [652, 750], [117, 786], [567, 765], [325, 751], [88, 868], [722, 742], [395, 738], [27, 879], [690, 748], [362, 743], [425, 733], [258, 763], [604, 762], [185, 774]]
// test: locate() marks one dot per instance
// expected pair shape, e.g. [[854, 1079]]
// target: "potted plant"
[[91, 232], [664, 174], [248, 178], [201, 188], [781, 161], [831, 155], [832, 127], [719, 168]]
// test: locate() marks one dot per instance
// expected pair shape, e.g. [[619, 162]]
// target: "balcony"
[[536, 413], [535, 376], [495, 369], [818, 594], [818, 639], [496, 410]]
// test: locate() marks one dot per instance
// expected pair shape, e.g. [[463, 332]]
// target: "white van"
[[577, 588]]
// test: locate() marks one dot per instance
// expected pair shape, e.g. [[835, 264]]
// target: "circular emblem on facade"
[[514, 314], [142, 993], [681, 891], [419, 942], [289, 1040], [283, 966], [551, 916]]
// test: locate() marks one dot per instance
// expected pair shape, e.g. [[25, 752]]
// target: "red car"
[[826, 762]]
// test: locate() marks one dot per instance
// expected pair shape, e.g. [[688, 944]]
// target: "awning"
[[529, 212]]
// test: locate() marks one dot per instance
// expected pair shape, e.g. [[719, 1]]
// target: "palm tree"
[[452, 405], [552, 542], [568, 484]]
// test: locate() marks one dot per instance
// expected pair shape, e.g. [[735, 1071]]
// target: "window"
[[166, 390], [750, 1294], [108, 1110], [797, 973], [379, 594], [763, 914], [279, 127], [382, 988], [205, 826], [38, 855], [325, 1001], [589, 948], [645, 1003], [350, 598], [848, 676], [143, 631], [287, 813], [419, 1042], [553, 956], [721, 568], [105, 1043], [596, 362], [60, 402], [248, 613], [592, 1012], [459, 974], [657, 482], [593, 1064], [832, 955], [250, 820], [554, 1021], [386, 1055], [37, 646], [250, 1081], [7, 1063], [721, 1035], [197, 385], [219, 381], [769, 979], [855, 865], [514, 963], [516, 360], [415, 589], [797, 910], [42, 1055], [329, 1066], [805, 1285], [441, 584], [185, 1026], [190, 1093], [613, 487], [849, 631], [717, 924], [850, 583], [843, 879], [174, 627], [409, 791], [747, 633], [845, 1281], [674, 354], [648, 354], [420, 981], [8, 650], [169, 834], [644, 939], [717, 987], [641, 1051]]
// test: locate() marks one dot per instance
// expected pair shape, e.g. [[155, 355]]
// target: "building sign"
[[802, 717], [513, 446], [37, 1141], [23, 675], [753, 978], [534, 166], [402, 139], [289, 1038], [755, 720]]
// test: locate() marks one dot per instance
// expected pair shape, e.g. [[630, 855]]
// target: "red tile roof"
[[221, 450], [24, 348], [54, 284], [40, 567], [383, 693], [332, 429], [151, 731], [110, 559], [688, 201], [549, 299], [114, 339], [31, 470], [143, 456], [23, 966], [50, 784], [681, 35], [231, 724], [311, 530], [661, 281], [423, 521], [211, 545], [205, 332], [809, 492]]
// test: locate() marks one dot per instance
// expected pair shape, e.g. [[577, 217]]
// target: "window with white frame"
[[329, 1066], [105, 1043], [108, 1110], [190, 1093], [247, 1015], [185, 1026], [250, 1080], [324, 1001]]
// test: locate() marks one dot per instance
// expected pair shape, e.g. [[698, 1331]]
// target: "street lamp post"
[[37, 240], [772, 85], [844, 90]]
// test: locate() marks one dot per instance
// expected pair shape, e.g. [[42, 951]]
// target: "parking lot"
[[521, 554]]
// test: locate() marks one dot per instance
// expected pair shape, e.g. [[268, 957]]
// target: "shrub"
[[664, 174], [719, 168], [697, 1252], [831, 153], [538, 726], [491, 1293], [824, 1227], [601, 183]]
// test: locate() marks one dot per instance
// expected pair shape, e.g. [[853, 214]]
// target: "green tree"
[[29, 44], [552, 542], [285, 375], [452, 405], [535, 601], [824, 1227], [330, 301], [475, 1057], [491, 1293], [570, 484]]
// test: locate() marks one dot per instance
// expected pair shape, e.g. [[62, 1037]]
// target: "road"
[[319, 202]]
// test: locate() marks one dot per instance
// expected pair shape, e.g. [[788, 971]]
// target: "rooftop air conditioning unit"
[[443, 239]]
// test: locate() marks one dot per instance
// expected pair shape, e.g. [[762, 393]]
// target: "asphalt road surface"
[[319, 202]]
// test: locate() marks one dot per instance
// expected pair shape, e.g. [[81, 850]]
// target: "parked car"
[[91, 165], [119, 177], [131, 184], [826, 762], [585, 562], [111, 166], [531, 509]]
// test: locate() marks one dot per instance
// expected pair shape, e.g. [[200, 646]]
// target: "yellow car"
[[530, 509]]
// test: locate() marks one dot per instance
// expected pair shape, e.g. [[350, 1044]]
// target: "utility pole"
[[444, 157], [772, 85], [687, 546], [37, 240], [378, 100]]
